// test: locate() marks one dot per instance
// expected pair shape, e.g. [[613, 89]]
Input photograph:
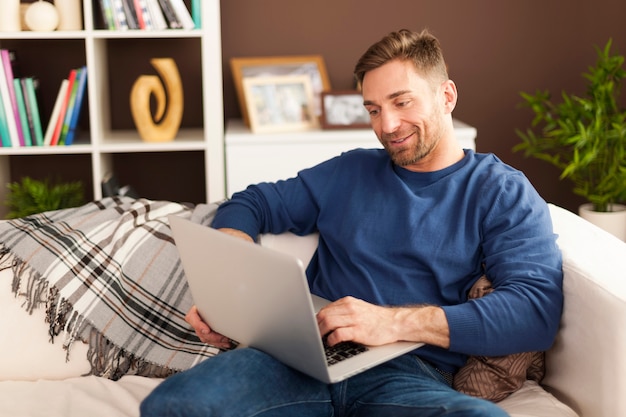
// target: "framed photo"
[[343, 110], [262, 67], [280, 104]]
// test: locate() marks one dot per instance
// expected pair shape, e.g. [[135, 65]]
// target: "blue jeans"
[[247, 383]]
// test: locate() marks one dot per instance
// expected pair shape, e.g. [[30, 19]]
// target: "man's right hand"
[[204, 332]]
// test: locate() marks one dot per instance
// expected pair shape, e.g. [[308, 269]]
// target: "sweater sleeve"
[[523, 262], [286, 205]]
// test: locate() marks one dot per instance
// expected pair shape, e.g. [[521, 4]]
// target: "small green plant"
[[32, 196], [585, 137]]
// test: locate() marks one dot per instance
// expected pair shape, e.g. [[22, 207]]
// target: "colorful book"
[[140, 21], [8, 76], [56, 111], [107, 14], [143, 15], [59, 122], [78, 104], [5, 137], [183, 15], [21, 109], [69, 108], [196, 13], [29, 88], [8, 108]]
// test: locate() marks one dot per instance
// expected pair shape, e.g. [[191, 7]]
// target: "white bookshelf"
[[103, 142]]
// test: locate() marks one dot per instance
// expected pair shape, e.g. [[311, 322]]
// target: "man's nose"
[[390, 121]]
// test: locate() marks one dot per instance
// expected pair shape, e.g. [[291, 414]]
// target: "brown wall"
[[494, 51]]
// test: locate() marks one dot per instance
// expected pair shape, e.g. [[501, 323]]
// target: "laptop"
[[259, 297]]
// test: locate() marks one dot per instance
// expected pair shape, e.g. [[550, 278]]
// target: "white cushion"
[[27, 353], [533, 401], [75, 397]]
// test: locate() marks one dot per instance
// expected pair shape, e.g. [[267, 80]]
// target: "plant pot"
[[613, 221]]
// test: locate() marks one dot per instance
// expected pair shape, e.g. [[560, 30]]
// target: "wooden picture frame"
[[255, 67], [344, 110], [280, 104]]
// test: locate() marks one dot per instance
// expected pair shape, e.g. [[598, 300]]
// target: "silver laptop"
[[260, 298]]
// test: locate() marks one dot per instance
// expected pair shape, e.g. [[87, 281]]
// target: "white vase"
[[70, 17], [613, 221], [10, 18]]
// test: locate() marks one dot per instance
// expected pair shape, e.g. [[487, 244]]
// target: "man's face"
[[406, 111]]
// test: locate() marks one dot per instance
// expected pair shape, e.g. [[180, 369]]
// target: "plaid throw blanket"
[[108, 273]]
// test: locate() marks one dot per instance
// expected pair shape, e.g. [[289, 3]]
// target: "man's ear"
[[450, 95]]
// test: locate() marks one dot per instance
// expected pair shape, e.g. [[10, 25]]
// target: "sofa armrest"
[[586, 365]]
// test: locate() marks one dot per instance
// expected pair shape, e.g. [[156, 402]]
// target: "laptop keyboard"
[[343, 350]]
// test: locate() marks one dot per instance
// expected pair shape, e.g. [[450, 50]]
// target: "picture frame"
[[283, 103], [263, 67], [344, 110]]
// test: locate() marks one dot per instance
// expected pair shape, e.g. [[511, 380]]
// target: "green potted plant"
[[585, 137], [33, 196]]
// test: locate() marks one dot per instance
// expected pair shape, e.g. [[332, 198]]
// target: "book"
[[131, 14], [56, 111], [5, 137], [139, 14], [156, 15], [141, 7], [170, 15], [29, 87], [56, 135], [120, 15], [8, 75], [196, 13], [107, 14], [9, 115], [69, 107], [183, 15], [21, 109], [78, 104]]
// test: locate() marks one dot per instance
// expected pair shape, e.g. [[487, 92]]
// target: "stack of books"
[[20, 118], [63, 123], [149, 14]]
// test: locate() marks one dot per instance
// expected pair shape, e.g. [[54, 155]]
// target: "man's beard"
[[423, 145]]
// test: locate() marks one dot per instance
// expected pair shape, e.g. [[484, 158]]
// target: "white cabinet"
[[103, 147], [253, 158]]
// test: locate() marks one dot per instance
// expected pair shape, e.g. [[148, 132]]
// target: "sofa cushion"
[[27, 353], [533, 401]]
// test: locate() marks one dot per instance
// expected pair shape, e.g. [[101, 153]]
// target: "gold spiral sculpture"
[[163, 126]]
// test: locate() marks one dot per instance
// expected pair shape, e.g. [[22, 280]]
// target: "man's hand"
[[204, 332], [351, 319]]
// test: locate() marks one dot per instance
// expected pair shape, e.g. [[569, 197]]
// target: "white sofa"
[[585, 367]]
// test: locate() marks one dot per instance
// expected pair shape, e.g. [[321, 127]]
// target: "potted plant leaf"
[[33, 196], [585, 137]]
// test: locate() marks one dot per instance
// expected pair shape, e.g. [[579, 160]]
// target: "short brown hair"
[[422, 48]]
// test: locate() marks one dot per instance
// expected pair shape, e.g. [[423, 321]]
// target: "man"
[[404, 233]]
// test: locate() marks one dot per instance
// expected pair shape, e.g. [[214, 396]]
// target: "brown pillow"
[[496, 377]]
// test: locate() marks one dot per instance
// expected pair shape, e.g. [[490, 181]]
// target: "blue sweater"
[[395, 237]]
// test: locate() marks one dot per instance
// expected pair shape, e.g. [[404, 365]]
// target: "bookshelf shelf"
[[189, 168]]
